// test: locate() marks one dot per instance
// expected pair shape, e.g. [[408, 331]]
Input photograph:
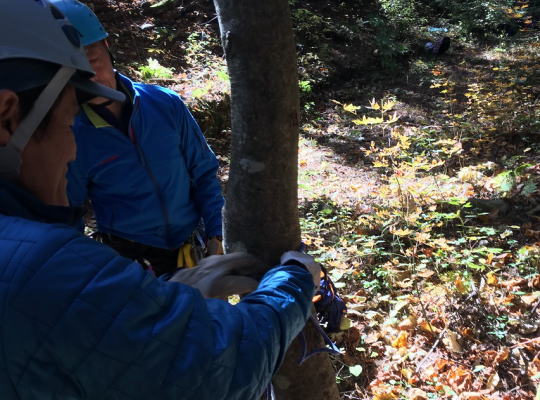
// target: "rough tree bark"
[[261, 213]]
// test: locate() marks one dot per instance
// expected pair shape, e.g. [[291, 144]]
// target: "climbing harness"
[[329, 305]]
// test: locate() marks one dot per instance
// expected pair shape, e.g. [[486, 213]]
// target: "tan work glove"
[[293, 257], [214, 246], [223, 276]]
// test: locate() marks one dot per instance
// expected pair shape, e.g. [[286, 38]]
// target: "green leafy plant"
[[154, 70], [305, 87], [478, 17]]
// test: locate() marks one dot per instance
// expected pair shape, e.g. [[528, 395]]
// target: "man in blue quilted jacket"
[[78, 321], [144, 164]]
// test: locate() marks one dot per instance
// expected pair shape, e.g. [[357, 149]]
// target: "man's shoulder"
[[45, 241], [23, 229], [154, 90]]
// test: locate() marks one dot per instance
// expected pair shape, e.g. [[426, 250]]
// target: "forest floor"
[[418, 191]]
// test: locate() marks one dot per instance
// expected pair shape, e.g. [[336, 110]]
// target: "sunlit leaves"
[[368, 120], [351, 108], [440, 229]]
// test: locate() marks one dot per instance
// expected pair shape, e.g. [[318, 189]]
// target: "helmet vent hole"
[[73, 35], [57, 13]]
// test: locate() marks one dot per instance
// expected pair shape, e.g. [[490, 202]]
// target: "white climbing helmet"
[[40, 47]]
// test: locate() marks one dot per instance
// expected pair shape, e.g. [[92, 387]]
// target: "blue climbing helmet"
[[84, 19]]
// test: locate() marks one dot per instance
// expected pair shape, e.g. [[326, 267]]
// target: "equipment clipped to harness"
[[185, 259], [329, 305], [330, 309]]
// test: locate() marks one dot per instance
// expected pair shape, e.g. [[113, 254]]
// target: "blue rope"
[[332, 350]]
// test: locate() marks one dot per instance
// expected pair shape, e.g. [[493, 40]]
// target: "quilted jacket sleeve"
[[103, 328], [202, 165]]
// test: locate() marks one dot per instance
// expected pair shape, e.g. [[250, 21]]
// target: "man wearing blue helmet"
[[78, 321], [144, 164]]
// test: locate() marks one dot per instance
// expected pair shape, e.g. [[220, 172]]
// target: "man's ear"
[[9, 114]]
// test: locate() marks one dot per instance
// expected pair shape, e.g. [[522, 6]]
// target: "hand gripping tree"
[[261, 213]]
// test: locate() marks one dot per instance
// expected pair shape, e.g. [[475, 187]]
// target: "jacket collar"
[[16, 201], [125, 85]]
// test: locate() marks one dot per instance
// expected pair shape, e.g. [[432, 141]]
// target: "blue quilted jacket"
[[80, 322], [153, 185]]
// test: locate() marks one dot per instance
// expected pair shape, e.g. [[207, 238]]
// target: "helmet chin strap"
[[10, 154]]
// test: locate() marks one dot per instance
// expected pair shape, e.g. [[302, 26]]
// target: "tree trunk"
[[261, 213]]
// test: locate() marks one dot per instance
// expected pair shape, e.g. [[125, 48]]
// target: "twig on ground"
[[421, 363]]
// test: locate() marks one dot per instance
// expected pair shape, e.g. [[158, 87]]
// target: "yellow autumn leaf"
[[345, 324], [401, 232], [368, 120], [350, 108], [460, 286], [492, 280], [401, 340], [374, 105], [388, 105]]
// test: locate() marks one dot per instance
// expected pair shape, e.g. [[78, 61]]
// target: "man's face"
[[46, 156], [100, 60]]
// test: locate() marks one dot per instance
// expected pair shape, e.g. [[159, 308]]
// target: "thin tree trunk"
[[261, 213]]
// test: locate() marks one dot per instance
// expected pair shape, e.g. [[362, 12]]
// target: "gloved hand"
[[291, 257], [214, 246], [223, 276]]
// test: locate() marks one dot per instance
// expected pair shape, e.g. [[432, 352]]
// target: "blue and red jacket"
[[77, 321], [154, 184]]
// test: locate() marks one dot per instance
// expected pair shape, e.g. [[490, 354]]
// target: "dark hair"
[[27, 98], [27, 78]]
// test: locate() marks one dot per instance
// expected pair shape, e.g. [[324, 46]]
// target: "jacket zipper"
[[159, 194]]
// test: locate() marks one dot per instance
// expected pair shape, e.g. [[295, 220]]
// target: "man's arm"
[[117, 329], [202, 165]]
